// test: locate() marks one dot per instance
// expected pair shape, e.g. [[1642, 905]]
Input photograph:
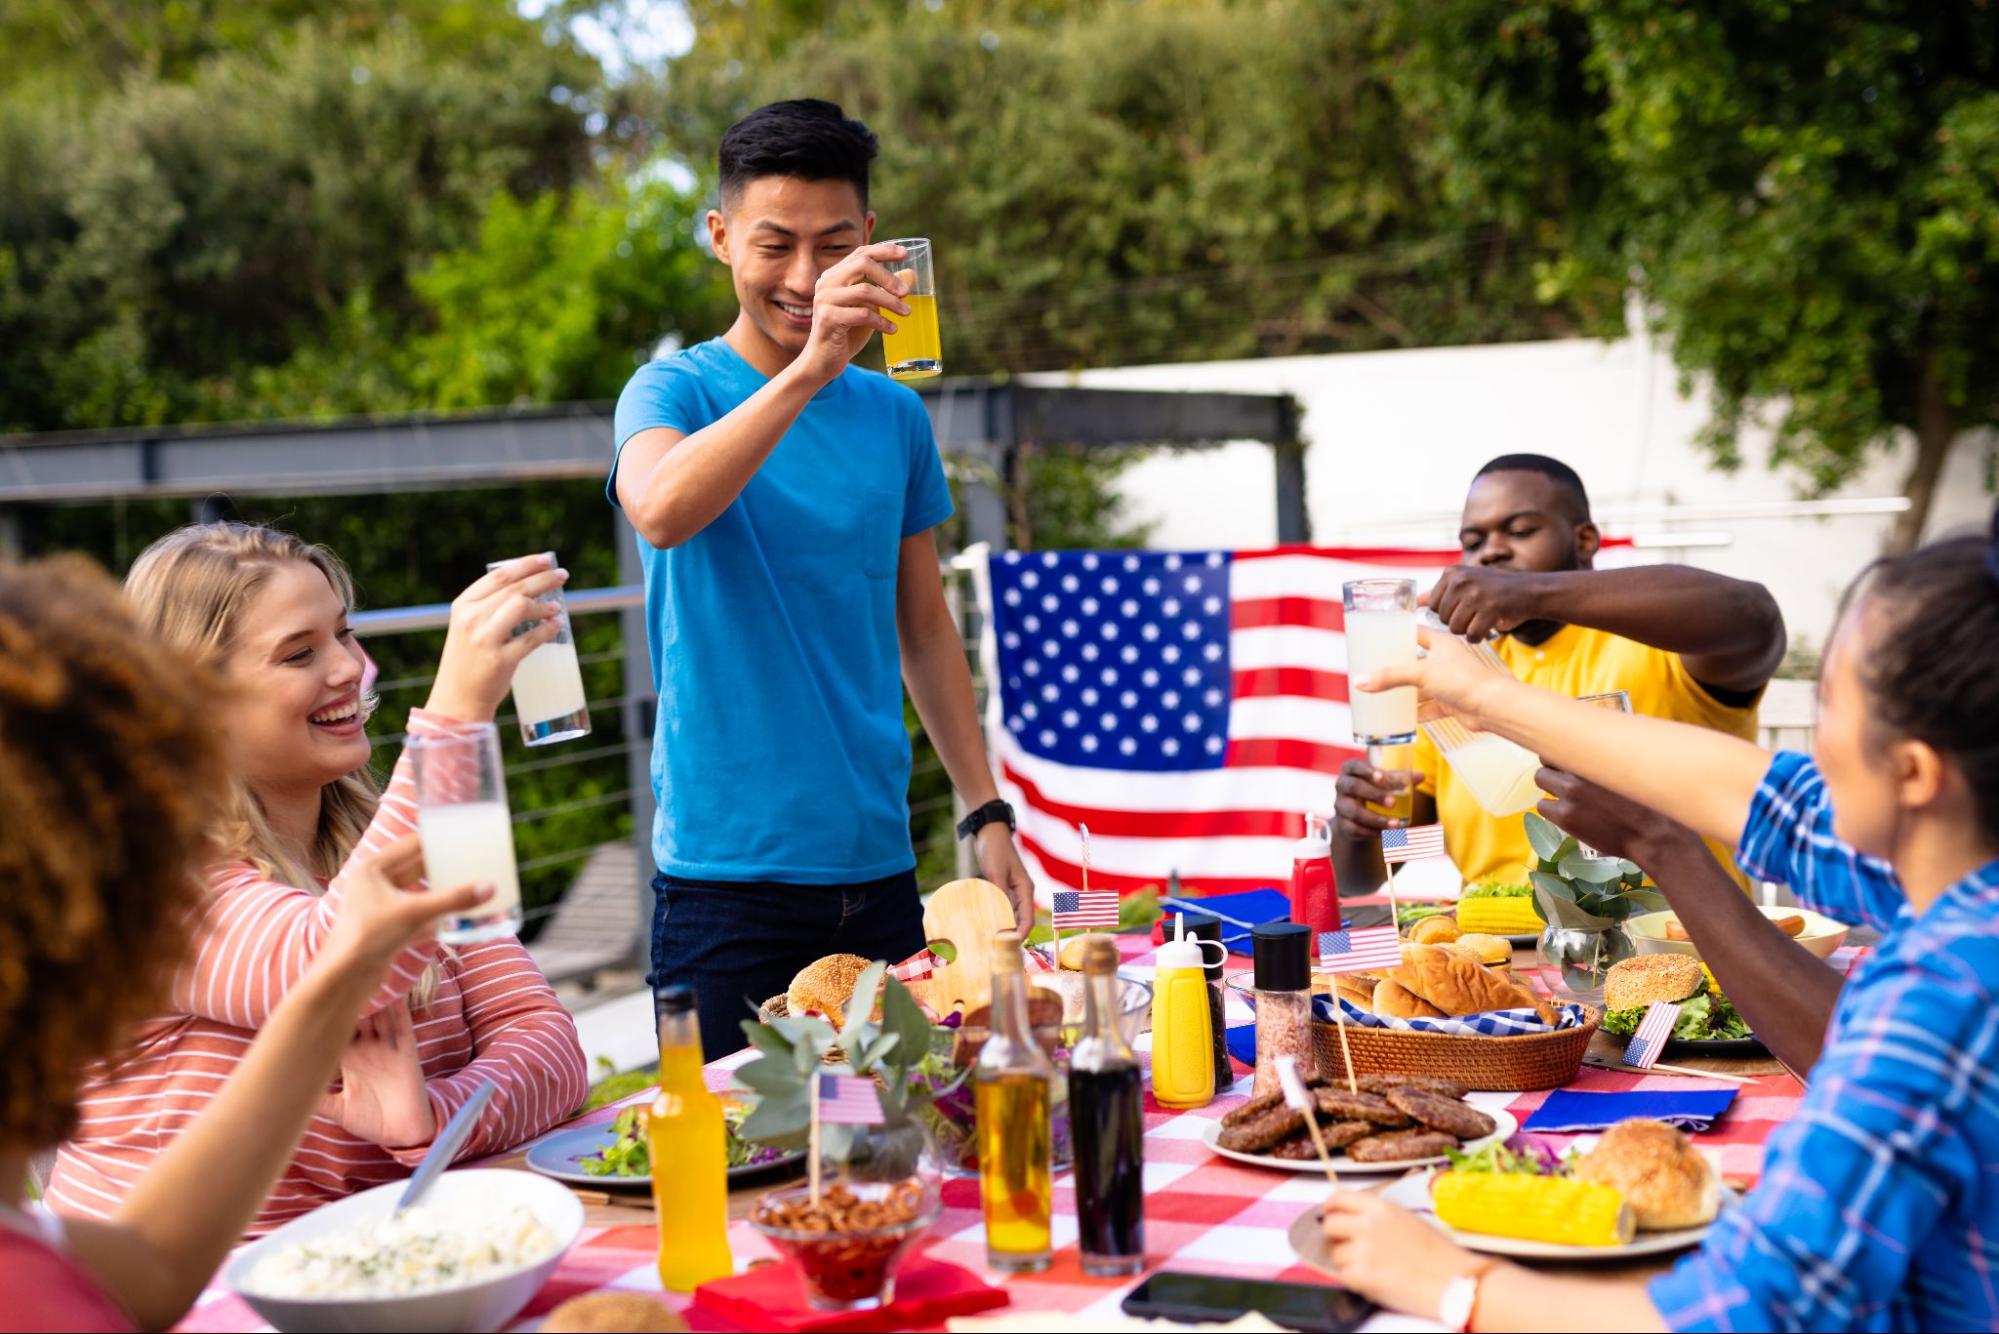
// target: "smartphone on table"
[[1213, 1297]]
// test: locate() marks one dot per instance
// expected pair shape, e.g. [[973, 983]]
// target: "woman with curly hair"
[[111, 777], [269, 612]]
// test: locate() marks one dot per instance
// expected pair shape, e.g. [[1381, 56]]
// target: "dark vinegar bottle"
[[1108, 1128]]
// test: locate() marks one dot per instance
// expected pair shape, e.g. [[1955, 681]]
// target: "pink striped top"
[[494, 1019]]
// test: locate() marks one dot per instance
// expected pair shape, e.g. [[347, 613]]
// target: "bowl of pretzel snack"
[[846, 1245]]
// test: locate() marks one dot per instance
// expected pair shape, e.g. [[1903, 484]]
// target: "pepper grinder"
[[1283, 958]]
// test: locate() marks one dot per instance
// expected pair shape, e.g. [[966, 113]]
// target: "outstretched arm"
[[181, 1219], [1728, 632], [1785, 994], [1701, 778]]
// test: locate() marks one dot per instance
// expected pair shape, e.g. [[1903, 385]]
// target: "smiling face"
[[777, 235], [1525, 521], [297, 721]]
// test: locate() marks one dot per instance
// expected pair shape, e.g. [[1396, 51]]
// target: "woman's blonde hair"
[[191, 587]]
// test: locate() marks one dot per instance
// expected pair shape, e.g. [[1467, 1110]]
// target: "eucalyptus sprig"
[[1574, 890], [897, 1051]]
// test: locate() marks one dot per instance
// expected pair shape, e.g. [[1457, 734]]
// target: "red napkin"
[[772, 1296]]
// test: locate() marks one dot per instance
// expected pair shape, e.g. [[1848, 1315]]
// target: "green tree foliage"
[[1807, 195], [1142, 182], [163, 239]]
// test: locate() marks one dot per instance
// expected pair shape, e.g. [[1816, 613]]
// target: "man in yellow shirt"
[[1685, 644]]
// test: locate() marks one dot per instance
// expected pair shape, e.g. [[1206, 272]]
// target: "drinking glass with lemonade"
[[466, 827], [913, 351], [548, 684]]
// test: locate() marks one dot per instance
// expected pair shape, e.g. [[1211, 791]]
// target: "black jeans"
[[740, 944]]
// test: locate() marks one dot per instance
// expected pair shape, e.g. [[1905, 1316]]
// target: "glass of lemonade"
[[1381, 633], [914, 352], [548, 684], [468, 833]]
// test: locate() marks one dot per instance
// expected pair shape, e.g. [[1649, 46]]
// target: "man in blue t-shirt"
[[784, 502]]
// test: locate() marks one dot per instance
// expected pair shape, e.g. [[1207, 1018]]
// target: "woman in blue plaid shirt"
[[1878, 1207]]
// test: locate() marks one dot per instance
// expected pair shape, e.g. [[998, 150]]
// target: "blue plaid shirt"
[[1879, 1203]]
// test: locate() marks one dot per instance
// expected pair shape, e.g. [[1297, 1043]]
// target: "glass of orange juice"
[[913, 351]]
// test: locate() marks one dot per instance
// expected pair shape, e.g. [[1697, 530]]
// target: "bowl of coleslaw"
[[468, 1257]]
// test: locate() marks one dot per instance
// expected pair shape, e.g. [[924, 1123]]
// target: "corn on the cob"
[[1499, 916], [1556, 1209]]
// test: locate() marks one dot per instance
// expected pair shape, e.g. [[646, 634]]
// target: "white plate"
[[1413, 1194], [1502, 1129]]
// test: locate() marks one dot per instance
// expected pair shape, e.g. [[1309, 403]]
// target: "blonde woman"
[[270, 612]]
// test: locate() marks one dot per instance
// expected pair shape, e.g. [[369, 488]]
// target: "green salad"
[[1493, 889], [628, 1156], [1706, 1017]]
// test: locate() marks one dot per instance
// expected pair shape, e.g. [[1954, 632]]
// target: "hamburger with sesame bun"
[[1632, 986]]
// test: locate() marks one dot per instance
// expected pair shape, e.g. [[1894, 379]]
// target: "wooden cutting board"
[[967, 913]]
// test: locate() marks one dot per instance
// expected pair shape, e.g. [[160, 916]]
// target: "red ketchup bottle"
[[1314, 902]]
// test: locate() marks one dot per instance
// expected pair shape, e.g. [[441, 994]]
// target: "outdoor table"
[[1203, 1213]]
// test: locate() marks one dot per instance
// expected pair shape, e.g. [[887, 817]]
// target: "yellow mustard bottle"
[[689, 1149], [1183, 1063]]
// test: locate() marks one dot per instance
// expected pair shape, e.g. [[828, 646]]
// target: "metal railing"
[[629, 722]]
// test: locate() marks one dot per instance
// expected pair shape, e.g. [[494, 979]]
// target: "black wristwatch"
[[985, 815]]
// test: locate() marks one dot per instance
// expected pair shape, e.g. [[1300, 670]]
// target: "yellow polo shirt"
[[1575, 661]]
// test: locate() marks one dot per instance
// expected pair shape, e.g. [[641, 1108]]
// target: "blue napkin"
[[1568, 1113], [1242, 1043], [1238, 913]]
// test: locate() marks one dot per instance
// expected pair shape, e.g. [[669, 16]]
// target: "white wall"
[[1393, 439]]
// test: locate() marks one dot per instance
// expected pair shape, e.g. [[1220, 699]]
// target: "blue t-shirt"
[[780, 752]]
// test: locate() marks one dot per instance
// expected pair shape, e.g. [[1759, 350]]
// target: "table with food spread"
[[1204, 1211]]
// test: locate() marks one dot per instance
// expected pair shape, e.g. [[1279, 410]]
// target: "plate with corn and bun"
[[1641, 1189]]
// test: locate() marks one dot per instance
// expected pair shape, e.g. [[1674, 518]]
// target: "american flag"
[[848, 1100], [1359, 950], [1653, 1030], [1085, 907], [1409, 845], [1189, 707]]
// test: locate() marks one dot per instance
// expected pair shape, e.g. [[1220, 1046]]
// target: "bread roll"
[[1666, 1181], [1492, 951], [1651, 977], [1398, 1002], [612, 1313], [1438, 930], [1357, 988], [825, 986], [1070, 957], [1456, 985]]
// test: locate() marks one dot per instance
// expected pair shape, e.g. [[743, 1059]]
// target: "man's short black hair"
[[806, 138], [1559, 472]]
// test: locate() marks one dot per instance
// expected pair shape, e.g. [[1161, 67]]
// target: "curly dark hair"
[[111, 773]]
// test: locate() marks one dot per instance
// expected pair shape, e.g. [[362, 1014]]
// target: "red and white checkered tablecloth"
[[1202, 1213]]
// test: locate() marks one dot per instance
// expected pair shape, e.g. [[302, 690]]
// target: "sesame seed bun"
[[609, 1312], [1665, 1180], [1638, 982], [825, 985]]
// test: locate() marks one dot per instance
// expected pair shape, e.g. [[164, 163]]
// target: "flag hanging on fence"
[[1409, 845], [1087, 907], [848, 1100], [1649, 1041], [1186, 706], [1359, 950]]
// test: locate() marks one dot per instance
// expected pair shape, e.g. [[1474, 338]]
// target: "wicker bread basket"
[[1507, 1065], [777, 1008]]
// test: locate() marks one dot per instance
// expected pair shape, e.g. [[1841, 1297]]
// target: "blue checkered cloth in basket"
[[1487, 1024]]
